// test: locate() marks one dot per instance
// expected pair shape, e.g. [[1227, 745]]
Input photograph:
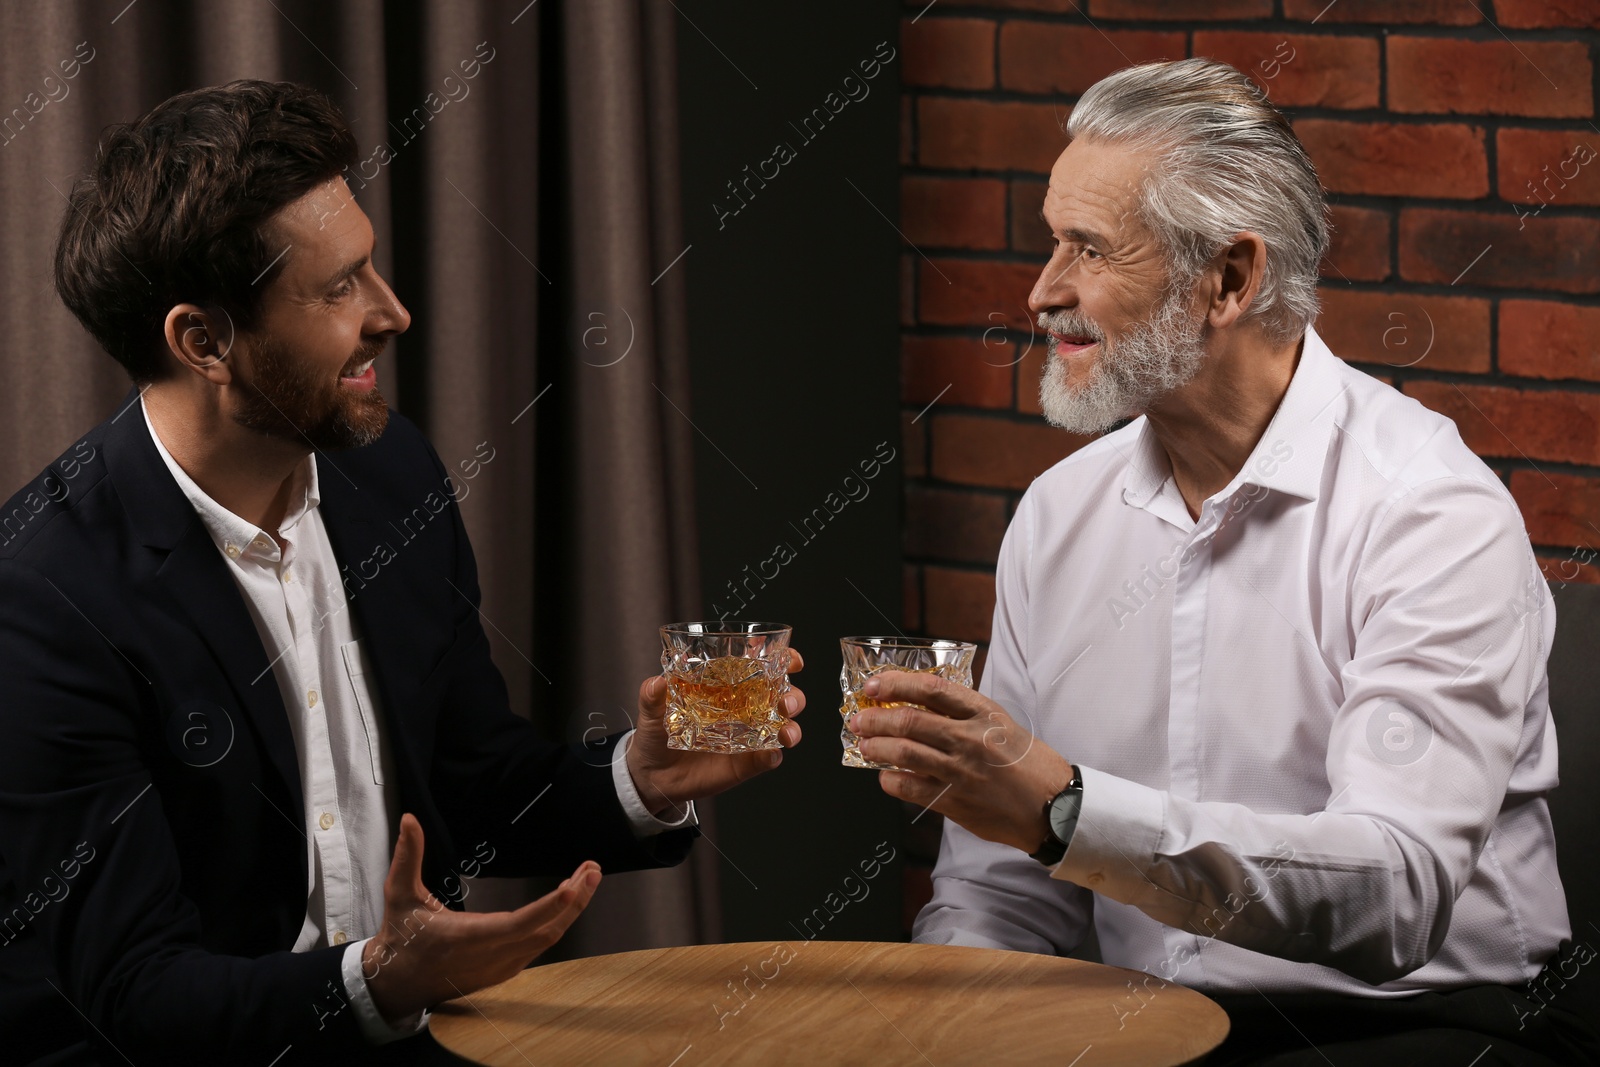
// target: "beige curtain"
[[525, 222]]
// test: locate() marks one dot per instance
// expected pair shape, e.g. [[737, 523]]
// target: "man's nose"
[[392, 315], [1053, 290]]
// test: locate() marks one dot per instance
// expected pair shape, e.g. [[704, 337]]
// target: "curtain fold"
[[631, 527], [520, 170]]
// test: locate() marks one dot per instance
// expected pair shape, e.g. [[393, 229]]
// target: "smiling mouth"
[[361, 378], [1072, 343]]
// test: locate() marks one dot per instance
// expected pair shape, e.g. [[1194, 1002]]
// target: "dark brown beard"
[[289, 401]]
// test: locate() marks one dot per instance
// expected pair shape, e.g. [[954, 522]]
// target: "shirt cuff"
[[644, 822], [1119, 825], [374, 1027]]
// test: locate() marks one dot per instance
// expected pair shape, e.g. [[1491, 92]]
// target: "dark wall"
[[794, 353]]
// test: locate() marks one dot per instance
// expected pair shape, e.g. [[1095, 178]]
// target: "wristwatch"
[[1061, 815]]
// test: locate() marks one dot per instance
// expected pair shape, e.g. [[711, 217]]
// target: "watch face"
[[1064, 814]]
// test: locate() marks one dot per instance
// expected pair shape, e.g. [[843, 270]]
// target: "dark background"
[[794, 362]]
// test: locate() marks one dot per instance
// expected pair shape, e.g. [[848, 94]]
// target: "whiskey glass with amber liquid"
[[866, 656], [725, 682]]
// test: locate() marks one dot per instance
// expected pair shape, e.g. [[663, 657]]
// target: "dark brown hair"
[[177, 207]]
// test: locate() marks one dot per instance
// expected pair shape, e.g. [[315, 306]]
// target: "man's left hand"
[[668, 778], [963, 756]]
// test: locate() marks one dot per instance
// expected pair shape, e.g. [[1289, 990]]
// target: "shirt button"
[[340, 938], [326, 822], [232, 550], [311, 698], [287, 576]]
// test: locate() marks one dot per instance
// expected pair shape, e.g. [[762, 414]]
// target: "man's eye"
[[343, 289], [1089, 253]]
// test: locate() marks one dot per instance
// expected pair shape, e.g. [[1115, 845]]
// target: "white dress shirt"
[[1313, 725], [348, 788]]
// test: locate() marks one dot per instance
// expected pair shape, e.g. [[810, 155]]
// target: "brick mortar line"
[[999, 255], [1511, 379], [1414, 288], [1002, 95], [1510, 463], [1400, 286], [1494, 344], [967, 566], [1495, 205], [1594, 70], [1397, 288], [1545, 551], [1547, 466], [1507, 466], [1496, 208], [1470, 31], [984, 491], [1401, 376], [1490, 124], [1006, 415], [945, 483]]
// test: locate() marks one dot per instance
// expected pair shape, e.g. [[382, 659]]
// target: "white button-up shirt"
[[349, 792], [1312, 725]]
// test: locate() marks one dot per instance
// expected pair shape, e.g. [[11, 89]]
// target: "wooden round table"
[[828, 1002]]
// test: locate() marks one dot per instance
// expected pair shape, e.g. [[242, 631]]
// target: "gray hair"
[[1226, 161]]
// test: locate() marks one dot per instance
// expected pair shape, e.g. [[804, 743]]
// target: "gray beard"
[[1152, 359]]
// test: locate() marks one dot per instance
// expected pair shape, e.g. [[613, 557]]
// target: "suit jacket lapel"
[[198, 580]]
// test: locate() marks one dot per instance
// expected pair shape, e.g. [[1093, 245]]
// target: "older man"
[[1265, 701]]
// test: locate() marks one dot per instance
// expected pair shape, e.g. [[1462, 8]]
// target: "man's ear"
[[199, 339], [1242, 267]]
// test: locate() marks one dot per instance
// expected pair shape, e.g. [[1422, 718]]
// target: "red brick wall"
[[1465, 210]]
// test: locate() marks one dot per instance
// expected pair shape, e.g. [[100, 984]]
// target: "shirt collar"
[[1291, 453], [237, 537]]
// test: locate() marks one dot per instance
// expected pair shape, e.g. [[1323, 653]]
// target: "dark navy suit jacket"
[[152, 852]]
